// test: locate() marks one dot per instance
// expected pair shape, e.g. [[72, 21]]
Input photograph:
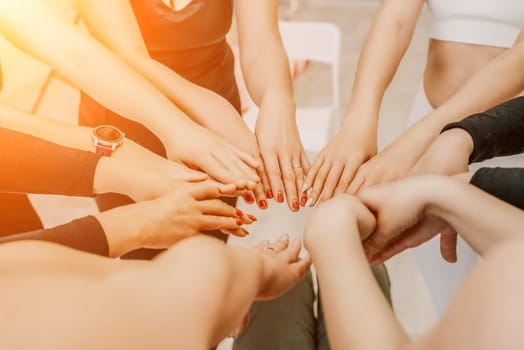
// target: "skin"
[[165, 291], [459, 79], [476, 319], [89, 65]]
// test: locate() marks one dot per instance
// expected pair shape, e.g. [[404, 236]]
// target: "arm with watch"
[[38, 166], [496, 132], [105, 77]]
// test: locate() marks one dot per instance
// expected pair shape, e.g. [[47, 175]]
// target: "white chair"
[[320, 42]]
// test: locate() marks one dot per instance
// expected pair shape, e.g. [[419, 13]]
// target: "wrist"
[[281, 98]]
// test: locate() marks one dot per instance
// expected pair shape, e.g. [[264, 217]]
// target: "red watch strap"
[[104, 150]]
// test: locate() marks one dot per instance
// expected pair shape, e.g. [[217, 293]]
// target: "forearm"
[[484, 224], [353, 304], [389, 38], [89, 66]]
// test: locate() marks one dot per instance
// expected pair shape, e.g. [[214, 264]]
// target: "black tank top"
[[192, 43]]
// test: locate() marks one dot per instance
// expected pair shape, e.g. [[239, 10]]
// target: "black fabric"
[[190, 42], [33, 165], [84, 234], [497, 132], [506, 184]]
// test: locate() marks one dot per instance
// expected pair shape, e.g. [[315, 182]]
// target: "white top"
[[483, 22]]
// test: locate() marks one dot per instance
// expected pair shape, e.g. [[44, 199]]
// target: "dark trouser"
[[17, 214], [288, 323]]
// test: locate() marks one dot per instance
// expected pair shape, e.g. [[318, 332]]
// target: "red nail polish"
[[239, 212], [246, 232], [262, 204], [303, 201], [252, 217], [295, 205], [249, 199], [239, 222], [280, 197], [269, 194]]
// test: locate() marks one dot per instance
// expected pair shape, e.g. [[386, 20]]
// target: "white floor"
[[412, 304]]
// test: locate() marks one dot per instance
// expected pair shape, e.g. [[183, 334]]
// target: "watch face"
[[108, 134]]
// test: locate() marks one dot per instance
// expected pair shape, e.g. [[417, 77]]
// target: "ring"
[[296, 165]]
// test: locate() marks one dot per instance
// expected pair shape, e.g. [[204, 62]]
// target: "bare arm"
[[356, 142], [266, 72], [355, 309]]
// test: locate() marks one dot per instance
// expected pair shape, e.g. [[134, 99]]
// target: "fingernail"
[[309, 202], [249, 199], [262, 203], [246, 232], [305, 187], [269, 194], [303, 201], [239, 212], [239, 222], [252, 217], [280, 197], [295, 205], [284, 238]]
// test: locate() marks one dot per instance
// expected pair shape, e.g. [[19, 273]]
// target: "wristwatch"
[[106, 139]]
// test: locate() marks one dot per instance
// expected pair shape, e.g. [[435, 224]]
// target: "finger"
[[248, 197], [280, 245], [248, 159], [292, 251], [290, 185], [262, 244], [318, 185], [228, 163], [358, 180], [218, 208], [265, 181], [260, 196], [190, 175], [311, 174], [202, 191], [345, 178], [305, 168], [448, 245], [212, 222], [220, 173], [301, 267], [273, 171], [240, 232], [332, 180], [249, 172]]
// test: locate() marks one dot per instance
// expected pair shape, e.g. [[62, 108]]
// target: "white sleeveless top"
[[483, 22]]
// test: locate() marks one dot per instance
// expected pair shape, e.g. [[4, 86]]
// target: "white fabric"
[[483, 22]]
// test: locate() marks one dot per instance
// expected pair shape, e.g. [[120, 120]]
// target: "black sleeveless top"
[[192, 43]]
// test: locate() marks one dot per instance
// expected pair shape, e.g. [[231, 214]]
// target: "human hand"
[[447, 155], [336, 165], [282, 152], [394, 162], [199, 148], [334, 218], [220, 117], [281, 269], [400, 209]]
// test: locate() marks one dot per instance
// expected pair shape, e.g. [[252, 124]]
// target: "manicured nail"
[[280, 197], [305, 187], [284, 238], [269, 194], [252, 217], [303, 201], [249, 199], [246, 232], [262, 203], [239, 212], [239, 222], [295, 205], [309, 202]]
